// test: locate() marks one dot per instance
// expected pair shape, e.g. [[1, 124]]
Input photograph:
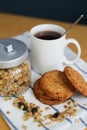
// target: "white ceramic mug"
[[49, 55]]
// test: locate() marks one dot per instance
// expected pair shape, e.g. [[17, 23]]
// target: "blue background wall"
[[63, 10]]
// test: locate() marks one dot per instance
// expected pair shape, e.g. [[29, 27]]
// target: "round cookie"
[[76, 80], [40, 95], [56, 85]]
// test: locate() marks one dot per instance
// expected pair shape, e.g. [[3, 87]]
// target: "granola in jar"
[[14, 67]]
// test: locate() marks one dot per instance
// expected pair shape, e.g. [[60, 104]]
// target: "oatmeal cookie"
[[76, 80], [56, 85], [41, 96]]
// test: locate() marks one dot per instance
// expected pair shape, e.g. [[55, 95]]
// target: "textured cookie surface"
[[77, 80], [56, 85], [39, 92], [41, 96]]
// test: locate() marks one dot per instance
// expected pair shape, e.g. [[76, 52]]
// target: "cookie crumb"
[[65, 106], [77, 121], [8, 112], [70, 103], [24, 127], [47, 108], [75, 104], [7, 98]]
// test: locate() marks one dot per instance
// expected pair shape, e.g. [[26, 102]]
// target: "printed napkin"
[[15, 117]]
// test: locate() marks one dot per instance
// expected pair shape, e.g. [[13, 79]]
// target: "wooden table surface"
[[12, 25]]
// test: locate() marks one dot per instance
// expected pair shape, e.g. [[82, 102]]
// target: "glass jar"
[[15, 75]]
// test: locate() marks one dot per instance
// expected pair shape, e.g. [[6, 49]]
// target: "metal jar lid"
[[12, 53]]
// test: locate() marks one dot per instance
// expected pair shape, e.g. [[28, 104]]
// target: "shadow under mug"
[[49, 54]]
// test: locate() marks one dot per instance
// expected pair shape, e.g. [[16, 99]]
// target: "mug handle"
[[75, 42]]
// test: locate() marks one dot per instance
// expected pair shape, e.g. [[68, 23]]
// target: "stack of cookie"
[[55, 87]]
